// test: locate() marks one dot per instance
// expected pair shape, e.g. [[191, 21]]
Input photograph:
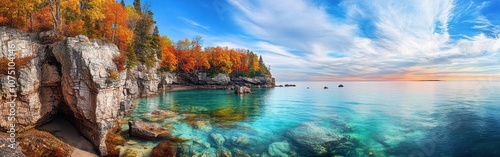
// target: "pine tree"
[[122, 3], [137, 6], [155, 42]]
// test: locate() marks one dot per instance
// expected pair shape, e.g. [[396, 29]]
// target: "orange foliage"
[[168, 58]]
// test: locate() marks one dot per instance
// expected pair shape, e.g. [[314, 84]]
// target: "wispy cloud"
[[193, 23], [377, 40]]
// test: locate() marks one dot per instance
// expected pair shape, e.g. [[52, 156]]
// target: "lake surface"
[[442, 118]]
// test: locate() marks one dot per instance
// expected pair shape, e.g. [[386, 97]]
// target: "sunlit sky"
[[348, 40]]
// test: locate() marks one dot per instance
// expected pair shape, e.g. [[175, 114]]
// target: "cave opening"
[[59, 120]]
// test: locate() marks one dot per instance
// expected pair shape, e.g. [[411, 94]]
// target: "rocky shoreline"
[[77, 77]]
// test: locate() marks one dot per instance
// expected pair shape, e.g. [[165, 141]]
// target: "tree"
[[155, 42], [137, 6], [168, 58], [122, 2], [220, 59]]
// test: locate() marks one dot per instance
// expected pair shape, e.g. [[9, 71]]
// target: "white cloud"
[[406, 34], [193, 23]]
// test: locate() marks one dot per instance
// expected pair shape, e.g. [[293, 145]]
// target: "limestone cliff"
[[73, 77]]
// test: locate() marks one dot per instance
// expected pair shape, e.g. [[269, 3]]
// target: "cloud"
[[380, 39], [193, 23]]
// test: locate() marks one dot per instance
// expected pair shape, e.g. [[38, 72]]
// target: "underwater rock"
[[240, 141], [202, 125], [164, 149], [158, 116], [239, 153], [134, 152], [218, 139], [242, 90], [224, 153], [279, 149], [314, 138], [146, 130]]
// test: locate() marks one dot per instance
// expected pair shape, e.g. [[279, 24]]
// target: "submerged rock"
[[279, 149], [239, 153], [240, 140], [146, 130], [164, 149], [134, 152], [218, 139], [314, 138], [223, 152], [242, 90], [158, 116]]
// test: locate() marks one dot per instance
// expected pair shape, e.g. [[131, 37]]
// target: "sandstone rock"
[[314, 138], [5, 150], [218, 139], [242, 90], [164, 149], [279, 149]]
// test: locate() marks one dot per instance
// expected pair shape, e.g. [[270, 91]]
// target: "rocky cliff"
[[77, 77]]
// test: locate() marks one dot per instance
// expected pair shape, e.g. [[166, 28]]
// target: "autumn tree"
[[186, 59], [168, 58]]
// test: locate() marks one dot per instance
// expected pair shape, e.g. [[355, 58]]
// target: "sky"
[[323, 40]]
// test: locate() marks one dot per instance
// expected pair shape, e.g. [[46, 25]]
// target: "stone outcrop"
[[222, 81]]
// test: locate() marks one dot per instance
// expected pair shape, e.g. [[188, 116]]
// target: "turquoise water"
[[445, 118]]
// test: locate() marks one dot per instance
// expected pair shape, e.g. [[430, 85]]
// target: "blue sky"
[[348, 40]]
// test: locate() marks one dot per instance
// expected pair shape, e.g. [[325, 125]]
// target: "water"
[[445, 118]]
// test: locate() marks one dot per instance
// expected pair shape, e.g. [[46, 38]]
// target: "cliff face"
[[72, 77], [78, 78]]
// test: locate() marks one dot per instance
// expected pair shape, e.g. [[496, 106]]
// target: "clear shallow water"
[[447, 118]]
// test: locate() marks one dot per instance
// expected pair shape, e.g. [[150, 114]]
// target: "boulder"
[[314, 138], [279, 149], [145, 130], [164, 149], [242, 90]]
